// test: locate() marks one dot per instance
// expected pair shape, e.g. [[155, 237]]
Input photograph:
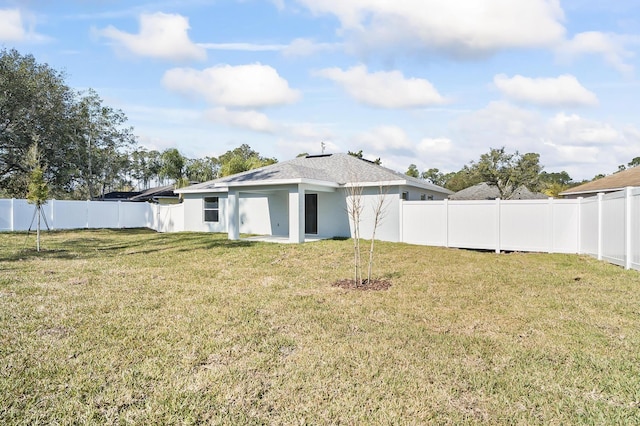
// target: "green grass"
[[135, 327]]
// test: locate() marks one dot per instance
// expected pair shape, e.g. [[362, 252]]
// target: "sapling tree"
[[38, 190], [379, 211], [355, 207]]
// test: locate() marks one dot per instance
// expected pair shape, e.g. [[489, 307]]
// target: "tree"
[[81, 141], [172, 165], [508, 172], [355, 206], [435, 176], [242, 159], [635, 162], [464, 178], [412, 171], [379, 211], [555, 182], [38, 191], [202, 169], [102, 143], [360, 155], [355, 209], [35, 106]]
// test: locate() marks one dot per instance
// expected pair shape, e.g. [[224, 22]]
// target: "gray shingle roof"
[[485, 191], [335, 168]]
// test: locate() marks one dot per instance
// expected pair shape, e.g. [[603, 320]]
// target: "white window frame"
[[211, 208]]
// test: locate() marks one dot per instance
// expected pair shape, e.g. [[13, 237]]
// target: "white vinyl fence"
[[606, 227], [18, 215]]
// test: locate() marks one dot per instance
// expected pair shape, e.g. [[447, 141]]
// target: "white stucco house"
[[303, 197]]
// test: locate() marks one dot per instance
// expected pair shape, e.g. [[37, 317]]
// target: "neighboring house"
[[160, 195], [611, 183], [485, 191], [116, 196], [304, 196]]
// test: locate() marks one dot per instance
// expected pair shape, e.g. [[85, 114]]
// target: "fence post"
[[11, 215], [497, 225], [401, 220], [579, 220], [551, 231], [88, 207], [119, 206], [627, 228], [600, 200], [53, 215], [446, 222]]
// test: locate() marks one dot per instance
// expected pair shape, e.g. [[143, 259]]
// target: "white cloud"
[[307, 47], [161, 35], [434, 145], [383, 139], [457, 27], [12, 28], [610, 46], [578, 130], [252, 120], [244, 47], [384, 89], [250, 86], [564, 90], [18, 27], [564, 142]]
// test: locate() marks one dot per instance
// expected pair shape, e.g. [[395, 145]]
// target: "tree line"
[[85, 148], [508, 172]]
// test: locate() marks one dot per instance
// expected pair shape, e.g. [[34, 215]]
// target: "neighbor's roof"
[[151, 193], [330, 169], [485, 191], [614, 182]]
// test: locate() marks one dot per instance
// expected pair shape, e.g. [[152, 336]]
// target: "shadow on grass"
[[93, 243]]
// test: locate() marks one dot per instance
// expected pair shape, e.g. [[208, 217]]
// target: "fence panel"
[[565, 232], [472, 224], [589, 231], [634, 232], [6, 215], [170, 218], [69, 214], [136, 215], [103, 214], [525, 225], [425, 224], [613, 228]]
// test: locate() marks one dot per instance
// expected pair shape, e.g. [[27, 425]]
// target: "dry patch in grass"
[[130, 326]]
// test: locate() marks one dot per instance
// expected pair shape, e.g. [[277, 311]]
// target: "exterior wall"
[[332, 214], [388, 228], [193, 205], [415, 194]]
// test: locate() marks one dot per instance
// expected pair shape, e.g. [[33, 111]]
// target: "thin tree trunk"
[[38, 212]]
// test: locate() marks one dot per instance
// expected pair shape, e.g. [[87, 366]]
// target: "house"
[[159, 194], [306, 196], [611, 183], [116, 196], [486, 191]]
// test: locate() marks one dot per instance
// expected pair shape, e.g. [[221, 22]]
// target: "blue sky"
[[430, 82]]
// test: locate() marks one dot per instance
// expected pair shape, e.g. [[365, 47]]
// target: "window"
[[405, 195], [430, 198], [423, 197], [211, 209]]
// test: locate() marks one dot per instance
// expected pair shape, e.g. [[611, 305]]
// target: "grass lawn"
[[135, 327]]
